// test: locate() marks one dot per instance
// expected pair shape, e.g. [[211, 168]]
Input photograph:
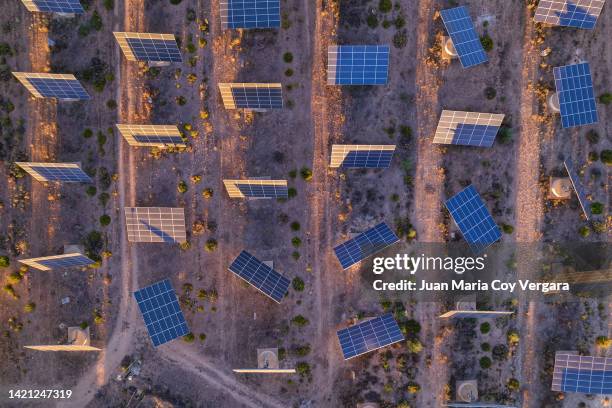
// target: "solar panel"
[[578, 188], [47, 263], [60, 86], [369, 335], [251, 96], [267, 280], [149, 47], [473, 219], [473, 314], [361, 156], [357, 64], [584, 374], [569, 13], [161, 312], [468, 128], [155, 224], [54, 6], [151, 135], [365, 244], [576, 96], [64, 172], [250, 13], [256, 188], [460, 27]]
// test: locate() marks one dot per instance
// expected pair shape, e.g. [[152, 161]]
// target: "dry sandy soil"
[[512, 176]]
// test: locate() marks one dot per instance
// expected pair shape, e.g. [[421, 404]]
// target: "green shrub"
[[505, 135], [298, 284], [500, 352], [584, 231], [293, 173], [182, 187], [87, 133], [300, 321], [597, 208], [399, 22], [606, 98], [10, 291], [385, 5], [513, 384], [175, 2], [288, 57], [91, 191], [207, 193], [289, 72], [295, 226], [485, 347], [84, 325], [306, 173], [210, 245], [603, 341], [593, 156], [413, 387], [485, 327], [372, 21], [95, 21], [487, 42], [400, 39], [606, 157], [180, 100], [303, 369], [513, 337], [508, 229], [29, 307], [302, 351], [485, 362], [296, 242], [105, 220], [98, 318], [189, 338], [111, 104], [4, 261], [109, 4], [291, 192], [14, 278], [490, 92], [414, 346], [295, 255]]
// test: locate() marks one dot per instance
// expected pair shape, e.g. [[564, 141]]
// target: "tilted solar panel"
[[583, 374], [54, 6], [468, 128], [161, 312], [63, 172], [250, 13], [569, 13], [365, 244], [357, 64], [578, 188], [251, 96], [155, 224], [473, 219], [576, 95], [47, 263], [151, 135], [149, 47], [60, 86], [256, 188], [460, 27], [267, 280], [361, 156], [369, 335]]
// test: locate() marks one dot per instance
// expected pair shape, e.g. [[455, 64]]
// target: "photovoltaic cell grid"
[[584, 374], [251, 96], [473, 314], [473, 219], [460, 27], [161, 312], [260, 275], [357, 64], [576, 96], [64, 172], [468, 128], [149, 47], [569, 13], [361, 156], [370, 335], [60, 86], [151, 135], [250, 13], [365, 244], [155, 224], [256, 188], [578, 188], [54, 6], [46, 263]]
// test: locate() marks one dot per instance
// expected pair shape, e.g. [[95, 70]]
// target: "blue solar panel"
[[154, 50], [257, 97], [576, 96], [460, 27], [250, 13], [59, 88], [369, 335], [65, 174], [578, 188], [473, 219], [569, 13], [368, 159], [587, 381], [158, 139], [260, 275], [365, 244], [161, 312], [263, 191], [358, 65], [59, 6], [475, 135]]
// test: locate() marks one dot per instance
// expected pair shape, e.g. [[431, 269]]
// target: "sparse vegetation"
[[485, 327], [306, 173], [487, 43], [300, 321], [295, 226], [29, 307], [485, 362], [4, 261], [189, 338], [207, 193], [210, 245], [606, 157], [105, 220], [606, 98], [597, 208], [385, 6], [182, 187], [296, 242], [298, 284], [288, 57], [490, 92], [508, 229]]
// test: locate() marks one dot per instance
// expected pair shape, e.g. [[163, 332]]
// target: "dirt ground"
[[229, 319]]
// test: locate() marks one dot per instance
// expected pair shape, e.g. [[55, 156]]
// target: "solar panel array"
[[149, 47], [267, 280], [576, 95], [369, 335], [151, 135], [60, 86], [365, 244], [161, 312], [155, 224], [256, 188], [460, 28], [468, 128], [473, 219], [54, 6], [569, 13], [473, 314], [578, 188], [47, 263], [357, 64], [64, 172], [251, 96], [250, 13], [584, 374], [361, 156]]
